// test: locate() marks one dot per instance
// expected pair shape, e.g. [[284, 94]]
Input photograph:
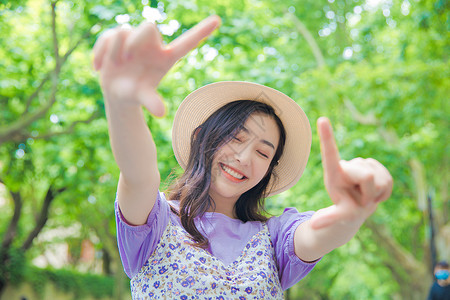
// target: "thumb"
[[149, 98]]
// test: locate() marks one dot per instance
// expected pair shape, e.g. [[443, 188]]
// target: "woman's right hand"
[[132, 62]]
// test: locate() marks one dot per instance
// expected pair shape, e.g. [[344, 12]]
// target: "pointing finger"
[[329, 150], [190, 39]]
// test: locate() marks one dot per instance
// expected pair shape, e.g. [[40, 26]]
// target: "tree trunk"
[[3, 260], [410, 274], [11, 232], [114, 261], [106, 259], [8, 239], [43, 216]]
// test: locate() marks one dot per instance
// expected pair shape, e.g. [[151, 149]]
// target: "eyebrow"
[[266, 142]]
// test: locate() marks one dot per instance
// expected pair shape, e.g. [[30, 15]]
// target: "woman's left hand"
[[355, 187]]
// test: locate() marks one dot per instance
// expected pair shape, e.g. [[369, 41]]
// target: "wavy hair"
[[192, 187]]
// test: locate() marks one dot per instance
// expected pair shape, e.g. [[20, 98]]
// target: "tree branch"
[[399, 260], [80, 40], [62, 60], [70, 129], [36, 92], [11, 232], [55, 36], [43, 216], [14, 130], [23, 136], [367, 119], [420, 183], [309, 39]]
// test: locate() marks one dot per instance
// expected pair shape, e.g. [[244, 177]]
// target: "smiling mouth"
[[235, 175]]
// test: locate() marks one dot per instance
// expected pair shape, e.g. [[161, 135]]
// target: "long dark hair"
[[192, 188]]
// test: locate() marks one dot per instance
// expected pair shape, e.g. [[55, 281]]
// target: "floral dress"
[[178, 270]]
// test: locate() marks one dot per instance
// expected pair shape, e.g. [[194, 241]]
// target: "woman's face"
[[241, 163]]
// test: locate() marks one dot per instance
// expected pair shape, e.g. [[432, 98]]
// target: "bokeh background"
[[377, 68]]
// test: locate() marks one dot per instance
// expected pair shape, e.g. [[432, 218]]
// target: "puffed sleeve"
[[137, 243], [291, 269]]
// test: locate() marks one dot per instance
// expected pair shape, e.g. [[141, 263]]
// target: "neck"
[[224, 207], [444, 282]]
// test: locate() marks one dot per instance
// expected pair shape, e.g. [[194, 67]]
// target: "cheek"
[[225, 154], [263, 170], [218, 155]]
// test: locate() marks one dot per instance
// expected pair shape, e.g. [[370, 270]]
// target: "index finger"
[[99, 49], [190, 39], [328, 147]]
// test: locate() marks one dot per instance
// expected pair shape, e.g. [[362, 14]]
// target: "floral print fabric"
[[178, 270]]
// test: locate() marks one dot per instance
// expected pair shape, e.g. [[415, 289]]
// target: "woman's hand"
[[132, 62], [355, 187]]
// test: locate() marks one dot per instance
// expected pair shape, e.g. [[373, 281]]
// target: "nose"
[[243, 155]]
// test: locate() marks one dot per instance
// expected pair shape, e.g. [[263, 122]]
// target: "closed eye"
[[262, 154]]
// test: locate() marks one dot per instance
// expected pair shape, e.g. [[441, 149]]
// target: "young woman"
[[238, 143]]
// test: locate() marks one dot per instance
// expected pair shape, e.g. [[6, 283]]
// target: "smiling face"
[[242, 162]]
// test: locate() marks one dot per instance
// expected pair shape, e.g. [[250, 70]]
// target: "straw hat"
[[203, 102]]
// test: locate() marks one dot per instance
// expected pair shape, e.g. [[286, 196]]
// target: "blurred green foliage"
[[70, 281], [378, 69]]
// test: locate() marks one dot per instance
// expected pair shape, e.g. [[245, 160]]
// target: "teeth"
[[232, 173]]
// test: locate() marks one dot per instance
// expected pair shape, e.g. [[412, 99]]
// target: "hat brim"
[[203, 102]]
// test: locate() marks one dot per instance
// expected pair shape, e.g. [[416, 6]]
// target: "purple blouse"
[[227, 238]]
